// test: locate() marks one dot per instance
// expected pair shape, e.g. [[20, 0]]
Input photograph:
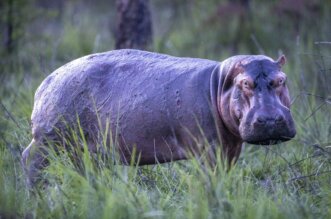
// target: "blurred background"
[[39, 36]]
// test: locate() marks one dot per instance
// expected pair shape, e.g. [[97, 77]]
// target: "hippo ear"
[[281, 61]]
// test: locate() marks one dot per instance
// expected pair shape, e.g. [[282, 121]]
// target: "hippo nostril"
[[269, 120], [279, 119], [260, 120]]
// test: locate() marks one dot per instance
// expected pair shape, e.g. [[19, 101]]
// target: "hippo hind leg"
[[33, 161]]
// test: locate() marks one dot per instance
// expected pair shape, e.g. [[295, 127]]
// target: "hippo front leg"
[[33, 161], [231, 147], [231, 153]]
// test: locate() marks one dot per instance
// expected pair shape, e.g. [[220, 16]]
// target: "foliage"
[[290, 180]]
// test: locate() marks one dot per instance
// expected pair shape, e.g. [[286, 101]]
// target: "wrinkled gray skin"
[[161, 105]]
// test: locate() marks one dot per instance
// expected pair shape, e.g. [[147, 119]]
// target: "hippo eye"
[[281, 81], [278, 82], [246, 83]]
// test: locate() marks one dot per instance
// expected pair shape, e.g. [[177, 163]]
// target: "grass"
[[290, 180], [267, 182]]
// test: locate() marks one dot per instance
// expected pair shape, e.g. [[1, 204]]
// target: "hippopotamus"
[[161, 107]]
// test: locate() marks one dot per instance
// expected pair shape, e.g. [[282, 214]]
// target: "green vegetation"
[[290, 180]]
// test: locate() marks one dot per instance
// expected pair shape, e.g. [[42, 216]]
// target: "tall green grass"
[[286, 181]]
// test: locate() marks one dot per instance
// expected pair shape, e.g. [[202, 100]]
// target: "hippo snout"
[[269, 127], [269, 120]]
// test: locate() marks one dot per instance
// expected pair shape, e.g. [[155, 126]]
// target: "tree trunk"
[[134, 25], [9, 43]]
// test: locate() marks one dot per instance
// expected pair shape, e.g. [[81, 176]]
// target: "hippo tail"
[[26, 152]]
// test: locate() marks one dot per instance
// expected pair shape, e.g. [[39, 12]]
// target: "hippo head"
[[255, 103]]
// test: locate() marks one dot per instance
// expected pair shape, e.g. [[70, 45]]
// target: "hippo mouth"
[[270, 141]]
